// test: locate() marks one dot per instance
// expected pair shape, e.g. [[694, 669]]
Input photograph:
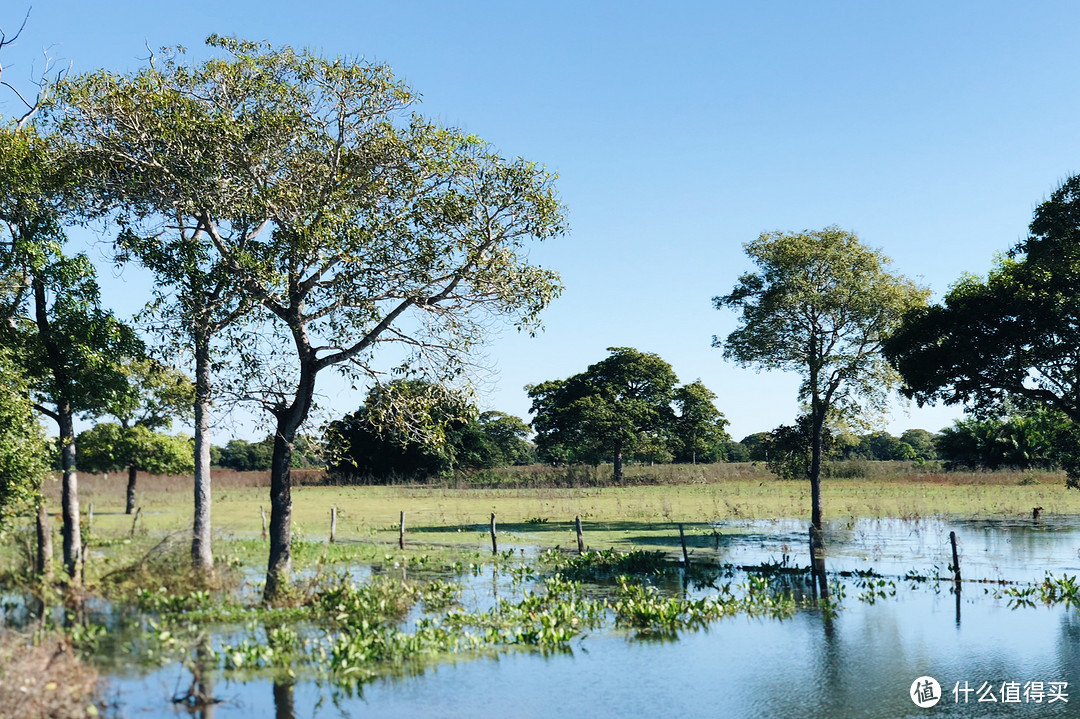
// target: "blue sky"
[[681, 131]]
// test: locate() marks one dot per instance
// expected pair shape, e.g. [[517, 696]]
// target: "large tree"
[[379, 226], [1013, 337], [66, 344], [177, 153], [606, 411], [821, 304]]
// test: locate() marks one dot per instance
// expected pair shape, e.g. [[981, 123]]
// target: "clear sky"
[[681, 130]]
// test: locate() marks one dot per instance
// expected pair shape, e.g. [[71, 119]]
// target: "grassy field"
[[620, 517]]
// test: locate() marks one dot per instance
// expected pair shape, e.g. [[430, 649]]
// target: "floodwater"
[[988, 659]]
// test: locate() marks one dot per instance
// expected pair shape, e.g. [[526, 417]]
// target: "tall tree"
[[1013, 337], [66, 342], [177, 154], [821, 304], [385, 228], [607, 410]]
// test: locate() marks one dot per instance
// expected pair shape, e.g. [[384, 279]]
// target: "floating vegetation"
[[1050, 591], [607, 564]]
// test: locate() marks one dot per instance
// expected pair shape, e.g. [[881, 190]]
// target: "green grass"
[[625, 518]]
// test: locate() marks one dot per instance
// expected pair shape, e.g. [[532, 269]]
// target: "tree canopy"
[[453, 436], [1013, 337], [821, 304], [625, 405]]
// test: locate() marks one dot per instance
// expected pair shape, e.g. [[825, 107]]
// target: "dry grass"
[[44, 680]]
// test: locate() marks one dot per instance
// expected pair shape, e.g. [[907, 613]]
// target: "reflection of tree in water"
[[199, 698], [1068, 648], [283, 699]]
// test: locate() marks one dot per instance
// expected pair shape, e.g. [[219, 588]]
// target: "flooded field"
[[1008, 644]]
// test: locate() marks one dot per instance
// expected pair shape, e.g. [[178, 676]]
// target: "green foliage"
[[787, 448], [417, 429], [1012, 336], [24, 451], [156, 394], [109, 447], [616, 405], [698, 429], [1033, 440], [820, 305], [921, 442], [756, 445]]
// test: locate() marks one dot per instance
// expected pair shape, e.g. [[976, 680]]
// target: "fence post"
[[685, 555], [401, 531], [262, 512], [333, 525], [580, 536], [955, 559], [494, 542]]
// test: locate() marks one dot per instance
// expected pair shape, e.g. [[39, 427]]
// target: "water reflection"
[[283, 699]]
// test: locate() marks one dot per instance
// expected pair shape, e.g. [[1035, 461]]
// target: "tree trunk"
[[617, 474], [279, 566], [202, 558], [817, 425], [69, 502], [129, 507], [289, 419], [44, 545]]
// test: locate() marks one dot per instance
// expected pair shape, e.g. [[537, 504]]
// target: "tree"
[[1013, 337], [698, 429], [1024, 440], [110, 447], [608, 410], [921, 442], [405, 429], [155, 395], [788, 448], [756, 444], [821, 305], [385, 228], [509, 436], [176, 153], [65, 343]]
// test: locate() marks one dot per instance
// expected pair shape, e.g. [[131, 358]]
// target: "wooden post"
[[494, 542], [685, 556], [333, 525], [580, 536], [90, 519], [1036, 513], [401, 531], [138, 513], [955, 559], [263, 513]]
